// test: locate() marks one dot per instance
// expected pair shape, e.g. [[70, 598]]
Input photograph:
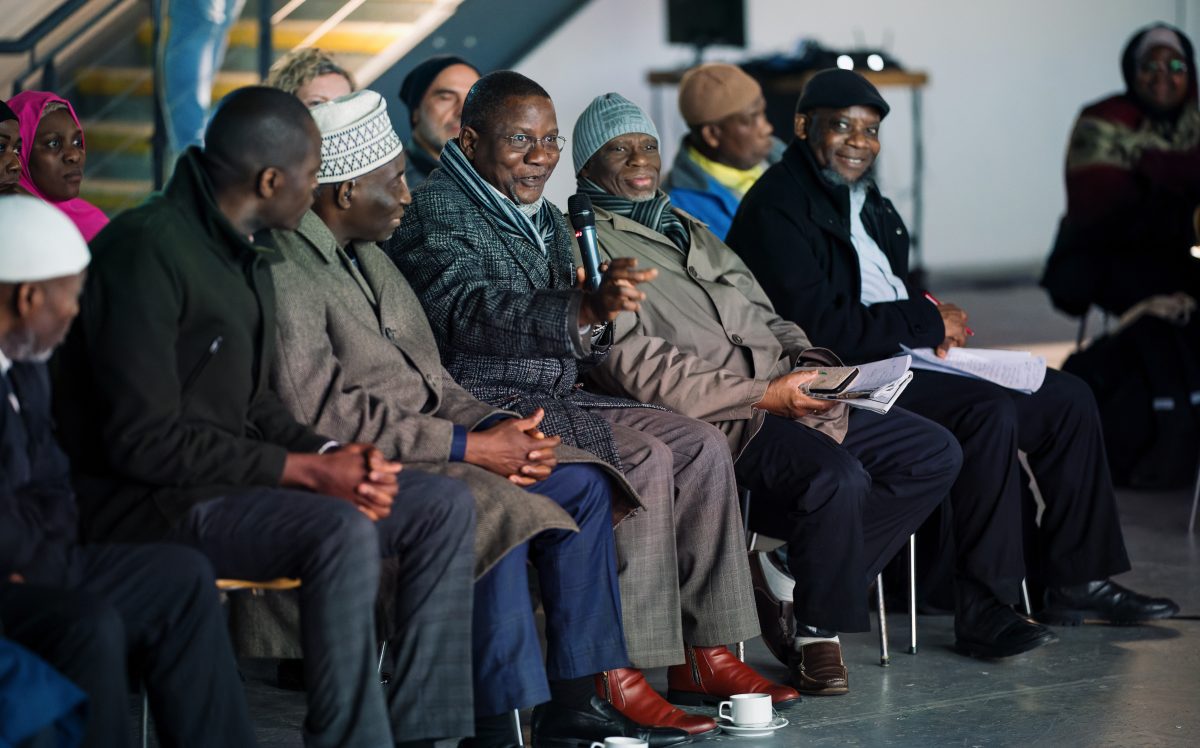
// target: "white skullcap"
[[356, 136], [40, 242], [1159, 36]]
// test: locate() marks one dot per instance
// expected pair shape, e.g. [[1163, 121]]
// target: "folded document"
[[1016, 370], [876, 387]]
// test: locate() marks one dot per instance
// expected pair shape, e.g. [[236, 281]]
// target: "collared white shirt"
[[879, 283], [5, 365]]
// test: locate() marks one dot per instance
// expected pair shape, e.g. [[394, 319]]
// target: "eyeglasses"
[[1174, 67], [525, 143]]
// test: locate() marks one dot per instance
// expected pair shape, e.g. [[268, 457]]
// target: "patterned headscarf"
[[533, 223], [29, 107]]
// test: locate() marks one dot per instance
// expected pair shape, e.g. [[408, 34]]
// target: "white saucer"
[[727, 726]]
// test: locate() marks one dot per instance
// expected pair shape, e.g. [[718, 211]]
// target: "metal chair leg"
[[518, 735], [1025, 597], [883, 643], [145, 717], [1195, 501], [744, 500], [912, 594]]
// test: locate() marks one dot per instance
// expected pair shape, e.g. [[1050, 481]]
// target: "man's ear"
[[800, 126], [344, 194], [27, 298], [468, 139], [710, 134], [268, 182]]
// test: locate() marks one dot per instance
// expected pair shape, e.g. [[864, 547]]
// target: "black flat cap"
[[837, 89]]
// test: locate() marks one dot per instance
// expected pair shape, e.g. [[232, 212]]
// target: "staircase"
[[114, 93]]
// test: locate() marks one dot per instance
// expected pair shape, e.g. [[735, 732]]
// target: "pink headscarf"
[[29, 107]]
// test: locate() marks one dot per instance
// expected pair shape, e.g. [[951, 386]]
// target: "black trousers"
[[845, 509], [1079, 537], [152, 606]]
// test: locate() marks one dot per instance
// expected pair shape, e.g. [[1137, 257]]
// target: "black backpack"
[[1146, 379]]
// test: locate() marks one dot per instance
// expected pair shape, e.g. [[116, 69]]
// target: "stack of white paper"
[[877, 386], [1016, 370]]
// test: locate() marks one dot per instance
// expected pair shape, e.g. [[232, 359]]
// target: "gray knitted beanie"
[[607, 117]]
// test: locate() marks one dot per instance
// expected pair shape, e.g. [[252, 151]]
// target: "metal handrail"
[[30, 40]]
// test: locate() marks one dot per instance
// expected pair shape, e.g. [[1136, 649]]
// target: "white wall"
[[1006, 80]]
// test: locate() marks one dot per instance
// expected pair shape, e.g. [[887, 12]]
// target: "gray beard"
[[833, 179], [24, 349]]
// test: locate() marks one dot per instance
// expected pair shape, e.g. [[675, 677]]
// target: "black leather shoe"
[[774, 608], [992, 630], [556, 726], [1104, 600]]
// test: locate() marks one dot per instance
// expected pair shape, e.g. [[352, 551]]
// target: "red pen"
[[935, 302]]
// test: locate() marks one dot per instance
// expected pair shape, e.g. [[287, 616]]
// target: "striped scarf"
[[534, 222], [655, 213]]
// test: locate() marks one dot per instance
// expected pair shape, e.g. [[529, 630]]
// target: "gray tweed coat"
[[503, 313]]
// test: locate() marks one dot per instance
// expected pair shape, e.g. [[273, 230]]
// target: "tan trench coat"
[[707, 341]]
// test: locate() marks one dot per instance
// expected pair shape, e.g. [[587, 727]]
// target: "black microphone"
[[579, 206]]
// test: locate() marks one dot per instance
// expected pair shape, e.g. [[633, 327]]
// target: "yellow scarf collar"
[[738, 180]]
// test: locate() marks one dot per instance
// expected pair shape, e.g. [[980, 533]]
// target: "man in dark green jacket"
[[175, 434]]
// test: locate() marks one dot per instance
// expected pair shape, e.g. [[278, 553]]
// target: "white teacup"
[[619, 742], [748, 709]]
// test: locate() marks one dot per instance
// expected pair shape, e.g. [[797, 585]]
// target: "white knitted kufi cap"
[[40, 242], [356, 136]]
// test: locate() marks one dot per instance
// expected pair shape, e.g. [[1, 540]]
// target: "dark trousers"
[[335, 551], [1079, 538], [150, 606], [577, 575], [845, 509]]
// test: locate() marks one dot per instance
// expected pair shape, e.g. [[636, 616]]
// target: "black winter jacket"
[[793, 231]]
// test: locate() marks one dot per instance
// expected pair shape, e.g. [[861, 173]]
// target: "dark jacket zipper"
[[213, 347]]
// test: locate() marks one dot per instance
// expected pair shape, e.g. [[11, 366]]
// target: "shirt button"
[[692, 271], [737, 339], [429, 377], [389, 333], [898, 232]]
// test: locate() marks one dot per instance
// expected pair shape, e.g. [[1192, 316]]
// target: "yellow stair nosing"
[[349, 37], [114, 81]]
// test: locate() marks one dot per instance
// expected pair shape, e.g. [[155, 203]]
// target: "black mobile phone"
[[831, 380]]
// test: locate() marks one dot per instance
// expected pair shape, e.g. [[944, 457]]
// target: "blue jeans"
[[192, 56], [577, 575]]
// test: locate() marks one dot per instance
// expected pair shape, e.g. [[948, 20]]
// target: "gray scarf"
[[537, 229], [655, 213]]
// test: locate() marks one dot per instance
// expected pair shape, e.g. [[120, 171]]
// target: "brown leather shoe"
[[775, 616], [818, 670], [627, 690], [712, 674]]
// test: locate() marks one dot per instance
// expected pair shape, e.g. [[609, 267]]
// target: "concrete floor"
[[1098, 686]]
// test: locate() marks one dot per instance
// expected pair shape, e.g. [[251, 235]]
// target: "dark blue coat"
[[37, 507]]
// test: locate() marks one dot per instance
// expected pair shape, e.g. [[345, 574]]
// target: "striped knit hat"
[[607, 117]]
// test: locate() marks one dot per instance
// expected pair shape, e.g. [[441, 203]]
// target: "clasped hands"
[[515, 448], [358, 473]]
